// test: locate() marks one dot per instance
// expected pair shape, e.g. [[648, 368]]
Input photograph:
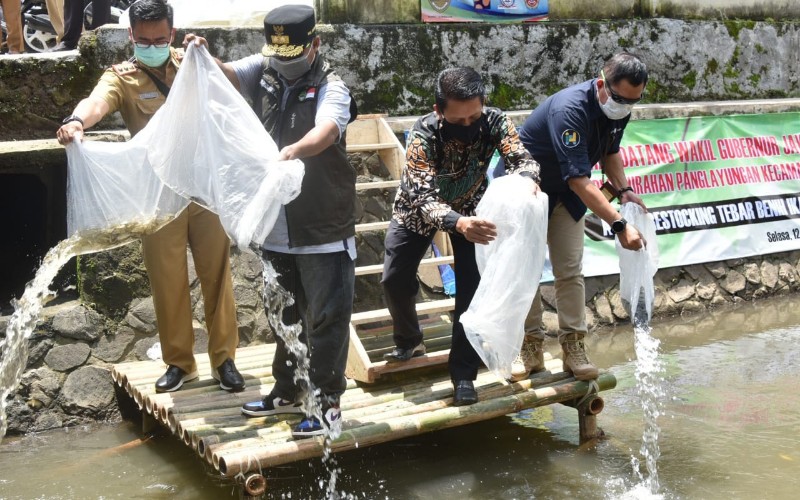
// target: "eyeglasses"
[[616, 97], [159, 45]]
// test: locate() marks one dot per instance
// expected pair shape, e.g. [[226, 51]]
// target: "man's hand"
[[631, 238], [70, 131], [476, 230], [289, 152], [197, 40], [630, 196]]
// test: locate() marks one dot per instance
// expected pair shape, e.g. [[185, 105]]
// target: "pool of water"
[[730, 429]]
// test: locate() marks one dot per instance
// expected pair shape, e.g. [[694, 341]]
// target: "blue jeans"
[[322, 286]]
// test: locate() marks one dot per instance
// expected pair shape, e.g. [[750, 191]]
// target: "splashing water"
[[276, 298], [14, 347], [651, 393]]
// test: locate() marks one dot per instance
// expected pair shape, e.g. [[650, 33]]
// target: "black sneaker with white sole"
[[271, 405], [173, 379], [228, 376]]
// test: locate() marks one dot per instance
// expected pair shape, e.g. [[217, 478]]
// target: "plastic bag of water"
[[510, 267], [637, 267], [204, 145]]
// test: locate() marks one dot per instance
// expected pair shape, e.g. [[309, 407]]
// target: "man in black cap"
[[305, 107]]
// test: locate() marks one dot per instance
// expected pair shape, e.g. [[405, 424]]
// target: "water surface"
[[730, 429]]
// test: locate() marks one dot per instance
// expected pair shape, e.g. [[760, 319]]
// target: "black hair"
[[150, 10], [625, 66], [459, 83]]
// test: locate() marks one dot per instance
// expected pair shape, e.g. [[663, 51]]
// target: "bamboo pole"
[[259, 457], [441, 397]]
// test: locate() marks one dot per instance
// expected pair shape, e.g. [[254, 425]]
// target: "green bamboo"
[[261, 456]]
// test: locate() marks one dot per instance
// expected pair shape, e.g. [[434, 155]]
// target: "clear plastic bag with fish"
[[204, 145], [637, 267], [510, 267]]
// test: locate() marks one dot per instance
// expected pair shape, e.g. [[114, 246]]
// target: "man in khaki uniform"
[[137, 89]]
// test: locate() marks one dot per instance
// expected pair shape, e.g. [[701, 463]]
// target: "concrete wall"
[[408, 11], [391, 69]]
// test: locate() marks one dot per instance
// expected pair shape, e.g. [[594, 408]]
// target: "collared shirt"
[[568, 134], [443, 180], [129, 90], [333, 103]]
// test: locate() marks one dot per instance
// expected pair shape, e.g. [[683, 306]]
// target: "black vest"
[[324, 212]]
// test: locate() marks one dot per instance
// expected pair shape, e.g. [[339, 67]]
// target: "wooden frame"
[[373, 133]]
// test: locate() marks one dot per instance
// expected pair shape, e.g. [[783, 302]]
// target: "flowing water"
[[729, 426]]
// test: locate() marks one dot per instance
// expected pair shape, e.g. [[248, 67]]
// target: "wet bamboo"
[[230, 439], [150, 375], [241, 351], [424, 402], [164, 401], [280, 453]]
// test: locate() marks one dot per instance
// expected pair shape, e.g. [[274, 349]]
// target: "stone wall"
[[390, 68]]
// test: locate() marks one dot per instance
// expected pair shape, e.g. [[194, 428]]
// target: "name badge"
[[149, 95]]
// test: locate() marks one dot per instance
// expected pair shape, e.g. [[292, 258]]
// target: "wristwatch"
[[72, 118], [618, 225]]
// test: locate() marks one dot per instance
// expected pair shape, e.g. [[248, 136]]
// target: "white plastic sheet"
[[510, 267], [205, 144], [637, 267]]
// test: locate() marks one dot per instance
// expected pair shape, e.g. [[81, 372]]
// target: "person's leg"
[[101, 13], [55, 11], [404, 251], [211, 253], [464, 361], [285, 287], [73, 25], [284, 362], [328, 282], [12, 14], [167, 267], [565, 240]]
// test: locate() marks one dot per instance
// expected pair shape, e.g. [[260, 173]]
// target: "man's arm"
[[91, 110], [316, 140], [612, 165], [591, 196]]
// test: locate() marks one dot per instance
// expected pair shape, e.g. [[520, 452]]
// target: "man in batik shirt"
[[443, 180]]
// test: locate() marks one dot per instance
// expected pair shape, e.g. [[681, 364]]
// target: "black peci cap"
[[289, 29]]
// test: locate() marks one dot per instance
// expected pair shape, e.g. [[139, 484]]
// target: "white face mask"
[[614, 110]]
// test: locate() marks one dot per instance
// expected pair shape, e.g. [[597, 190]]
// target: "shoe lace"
[[576, 350]]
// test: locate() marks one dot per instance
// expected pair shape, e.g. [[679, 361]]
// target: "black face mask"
[[463, 133]]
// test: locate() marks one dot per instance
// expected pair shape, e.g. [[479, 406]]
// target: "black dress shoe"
[[400, 354], [173, 379], [228, 376], [465, 393]]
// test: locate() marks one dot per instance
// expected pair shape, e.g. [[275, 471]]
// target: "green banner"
[[718, 187]]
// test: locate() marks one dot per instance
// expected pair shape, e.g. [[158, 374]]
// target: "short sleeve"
[[569, 132], [109, 89]]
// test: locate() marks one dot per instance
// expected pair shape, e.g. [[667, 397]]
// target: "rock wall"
[[391, 68]]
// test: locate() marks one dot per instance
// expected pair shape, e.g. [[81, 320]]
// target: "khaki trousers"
[[167, 266], [565, 243], [55, 10], [13, 17]]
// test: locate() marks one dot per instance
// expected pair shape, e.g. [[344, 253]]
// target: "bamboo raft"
[[209, 420]]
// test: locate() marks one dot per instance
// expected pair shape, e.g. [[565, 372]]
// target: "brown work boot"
[[575, 360], [530, 359]]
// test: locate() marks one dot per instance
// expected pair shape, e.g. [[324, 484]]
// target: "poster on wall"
[[483, 11], [718, 187]]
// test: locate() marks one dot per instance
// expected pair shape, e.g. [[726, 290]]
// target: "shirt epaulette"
[[125, 68]]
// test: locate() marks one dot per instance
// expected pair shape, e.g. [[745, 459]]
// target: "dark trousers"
[[404, 251], [322, 287], [73, 19]]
